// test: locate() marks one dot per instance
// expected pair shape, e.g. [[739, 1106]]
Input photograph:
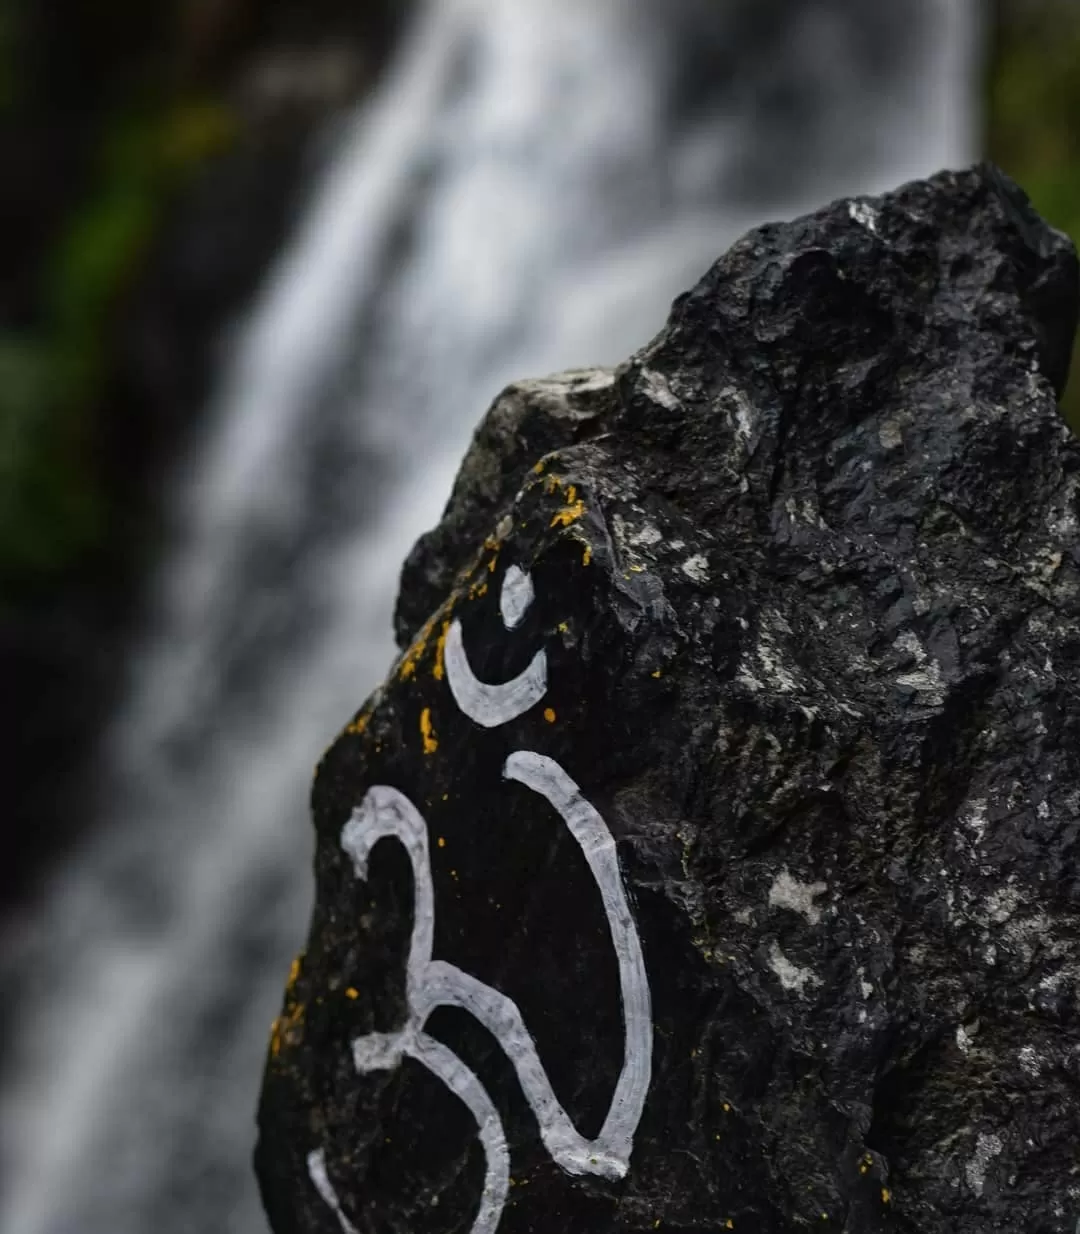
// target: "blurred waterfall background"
[[524, 187]]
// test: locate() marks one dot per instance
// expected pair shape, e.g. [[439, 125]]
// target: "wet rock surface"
[[708, 859]]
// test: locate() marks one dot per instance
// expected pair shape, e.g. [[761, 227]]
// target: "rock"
[[528, 420], [709, 858]]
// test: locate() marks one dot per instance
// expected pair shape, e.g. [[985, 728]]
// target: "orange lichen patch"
[[479, 588], [442, 841], [415, 652], [287, 1029], [493, 543], [571, 494], [568, 514], [538, 468], [439, 669], [431, 742], [586, 556], [359, 724], [352, 992], [551, 483], [549, 714], [417, 649], [886, 1195], [491, 564]]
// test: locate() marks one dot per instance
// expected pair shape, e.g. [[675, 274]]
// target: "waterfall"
[[529, 186]]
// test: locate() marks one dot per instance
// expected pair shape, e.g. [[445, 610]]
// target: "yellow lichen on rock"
[[415, 652], [427, 732], [287, 1029], [357, 726], [439, 669], [568, 514]]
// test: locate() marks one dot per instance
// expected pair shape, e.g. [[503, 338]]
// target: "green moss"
[[1033, 116], [52, 383], [50, 511], [144, 160]]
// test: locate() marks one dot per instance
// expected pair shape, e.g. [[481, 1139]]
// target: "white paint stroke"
[[515, 597], [491, 705], [448, 986], [316, 1168], [380, 1051], [442, 1062], [387, 813], [544, 776]]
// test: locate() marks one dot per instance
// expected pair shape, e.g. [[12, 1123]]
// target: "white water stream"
[[531, 184]]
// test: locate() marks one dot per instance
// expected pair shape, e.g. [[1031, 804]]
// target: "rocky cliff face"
[[708, 859]]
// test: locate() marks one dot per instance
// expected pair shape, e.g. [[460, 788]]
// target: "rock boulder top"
[[709, 858]]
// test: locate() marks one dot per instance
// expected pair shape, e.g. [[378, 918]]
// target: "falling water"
[[532, 183]]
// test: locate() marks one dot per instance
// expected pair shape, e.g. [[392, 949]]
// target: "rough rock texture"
[[792, 600]]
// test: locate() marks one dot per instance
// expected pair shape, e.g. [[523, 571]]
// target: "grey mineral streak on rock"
[[986, 1148], [964, 1034], [864, 214], [696, 568], [1029, 1060], [806, 587], [787, 892], [790, 975]]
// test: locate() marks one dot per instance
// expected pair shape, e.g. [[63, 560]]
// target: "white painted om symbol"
[[387, 813]]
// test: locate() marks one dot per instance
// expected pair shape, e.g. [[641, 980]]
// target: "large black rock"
[[709, 859]]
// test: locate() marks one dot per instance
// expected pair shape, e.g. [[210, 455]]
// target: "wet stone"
[[709, 858]]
